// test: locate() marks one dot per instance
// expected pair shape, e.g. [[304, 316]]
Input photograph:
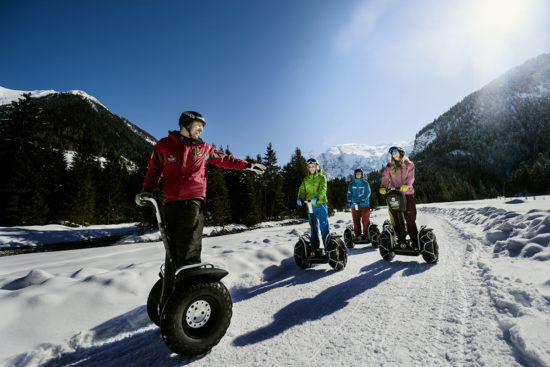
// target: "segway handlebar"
[[393, 189], [309, 206], [154, 203]]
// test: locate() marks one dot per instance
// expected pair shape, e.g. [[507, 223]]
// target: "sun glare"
[[494, 17]]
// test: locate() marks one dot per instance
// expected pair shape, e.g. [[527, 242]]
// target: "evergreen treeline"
[[99, 184], [39, 185], [530, 178], [244, 197]]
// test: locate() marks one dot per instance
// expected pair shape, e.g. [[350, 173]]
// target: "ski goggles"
[[195, 117], [396, 149]]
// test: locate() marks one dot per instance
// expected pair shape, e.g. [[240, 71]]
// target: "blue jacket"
[[359, 192]]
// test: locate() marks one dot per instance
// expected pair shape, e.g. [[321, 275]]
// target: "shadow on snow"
[[131, 339], [328, 301], [127, 340]]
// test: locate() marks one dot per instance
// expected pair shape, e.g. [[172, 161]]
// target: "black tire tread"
[[153, 301], [172, 330]]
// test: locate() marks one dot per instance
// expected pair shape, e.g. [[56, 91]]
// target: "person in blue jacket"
[[359, 193]]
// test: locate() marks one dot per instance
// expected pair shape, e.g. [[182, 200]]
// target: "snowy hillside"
[[487, 302], [341, 160], [9, 95], [496, 128]]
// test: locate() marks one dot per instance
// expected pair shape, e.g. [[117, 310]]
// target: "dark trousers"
[[410, 219], [183, 225], [184, 222], [364, 216]]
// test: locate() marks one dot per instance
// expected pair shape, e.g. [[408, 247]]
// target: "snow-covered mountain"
[[68, 113], [493, 130], [7, 96], [341, 160]]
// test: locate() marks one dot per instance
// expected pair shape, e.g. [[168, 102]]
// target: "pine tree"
[[234, 181], [111, 204], [218, 207], [25, 163], [250, 198], [293, 174], [337, 189], [82, 208], [273, 192]]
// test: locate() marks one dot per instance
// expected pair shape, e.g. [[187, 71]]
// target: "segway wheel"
[[385, 246], [374, 234], [196, 317], [430, 248], [337, 253], [300, 255], [348, 238], [153, 302]]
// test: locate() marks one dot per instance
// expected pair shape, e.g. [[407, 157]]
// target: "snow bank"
[[33, 236], [515, 269]]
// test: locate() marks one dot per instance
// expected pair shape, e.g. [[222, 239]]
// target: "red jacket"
[[182, 167]]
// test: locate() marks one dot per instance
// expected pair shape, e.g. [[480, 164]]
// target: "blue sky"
[[297, 73]]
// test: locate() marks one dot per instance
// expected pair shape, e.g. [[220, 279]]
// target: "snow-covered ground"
[[486, 303]]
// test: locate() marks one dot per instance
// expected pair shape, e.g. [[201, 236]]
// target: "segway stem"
[[400, 219], [169, 273], [160, 224]]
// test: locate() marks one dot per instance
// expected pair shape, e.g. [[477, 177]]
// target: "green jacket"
[[314, 185]]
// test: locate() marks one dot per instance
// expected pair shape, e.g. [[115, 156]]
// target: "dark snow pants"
[[410, 219], [364, 213], [184, 223]]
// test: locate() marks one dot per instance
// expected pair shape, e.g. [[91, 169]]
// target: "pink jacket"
[[403, 176]]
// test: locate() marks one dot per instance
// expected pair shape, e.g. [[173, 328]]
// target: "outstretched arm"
[[221, 159]]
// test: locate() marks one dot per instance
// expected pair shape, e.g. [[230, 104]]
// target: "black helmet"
[[356, 171], [187, 118], [399, 149]]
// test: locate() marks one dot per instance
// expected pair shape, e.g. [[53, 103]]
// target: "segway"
[[190, 304], [307, 250], [393, 239], [350, 239]]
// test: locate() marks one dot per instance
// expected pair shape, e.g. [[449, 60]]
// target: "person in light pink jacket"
[[399, 172]]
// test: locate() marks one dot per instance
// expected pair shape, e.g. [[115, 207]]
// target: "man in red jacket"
[[179, 161]]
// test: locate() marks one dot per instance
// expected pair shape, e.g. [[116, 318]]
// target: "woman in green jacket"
[[314, 188]]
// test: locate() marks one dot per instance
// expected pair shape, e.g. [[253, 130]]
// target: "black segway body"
[[307, 250], [350, 239], [190, 304], [393, 243]]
